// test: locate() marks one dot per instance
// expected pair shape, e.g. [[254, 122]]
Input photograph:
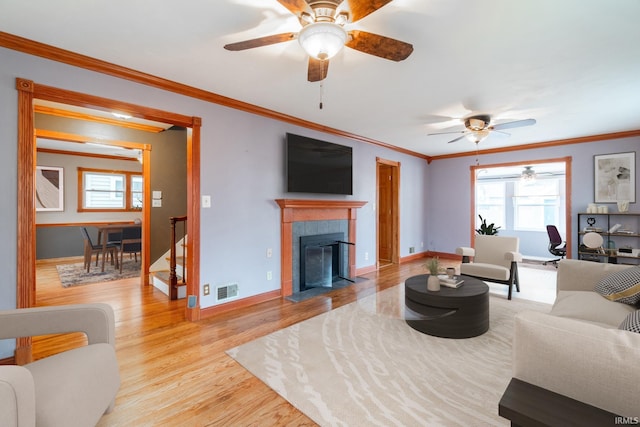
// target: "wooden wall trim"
[[41, 109], [83, 224], [53, 53], [238, 304], [546, 144]]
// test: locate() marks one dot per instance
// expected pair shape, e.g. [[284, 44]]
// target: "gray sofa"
[[577, 349], [72, 388]]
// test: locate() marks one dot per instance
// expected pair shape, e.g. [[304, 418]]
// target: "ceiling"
[[573, 65]]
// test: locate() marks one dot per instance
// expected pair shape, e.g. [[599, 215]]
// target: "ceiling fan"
[[323, 34], [479, 127]]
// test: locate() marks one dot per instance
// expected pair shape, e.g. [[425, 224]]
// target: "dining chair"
[[90, 248], [130, 243]]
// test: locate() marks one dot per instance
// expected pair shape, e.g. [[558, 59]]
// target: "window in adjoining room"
[[112, 191]]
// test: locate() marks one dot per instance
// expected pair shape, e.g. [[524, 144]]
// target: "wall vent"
[[227, 291]]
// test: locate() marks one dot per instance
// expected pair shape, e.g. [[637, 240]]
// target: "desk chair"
[[90, 249], [557, 247]]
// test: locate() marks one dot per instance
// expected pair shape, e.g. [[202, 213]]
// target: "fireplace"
[[321, 260], [295, 212]]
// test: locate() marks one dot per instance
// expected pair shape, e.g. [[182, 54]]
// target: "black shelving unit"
[[625, 238]]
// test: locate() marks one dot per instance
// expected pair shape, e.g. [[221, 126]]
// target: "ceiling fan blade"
[[261, 41], [317, 69], [516, 124], [361, 8], [457, 139], [381, 46], [446, 133], [296, 6]]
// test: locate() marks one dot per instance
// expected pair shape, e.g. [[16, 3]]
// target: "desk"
[[105, 229]]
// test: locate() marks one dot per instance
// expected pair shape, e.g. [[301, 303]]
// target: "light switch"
[[206, 201], [156, 203], [156, 194]]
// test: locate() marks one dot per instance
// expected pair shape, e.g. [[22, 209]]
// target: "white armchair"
[[72, 388], [495, 259]]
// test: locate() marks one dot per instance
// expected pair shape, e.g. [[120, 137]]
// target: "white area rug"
[[362, 365]]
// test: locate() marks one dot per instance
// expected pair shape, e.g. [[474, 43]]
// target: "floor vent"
[[227, 291]]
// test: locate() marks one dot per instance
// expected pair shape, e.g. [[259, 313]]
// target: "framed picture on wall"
[[615, 177], [49, 189]]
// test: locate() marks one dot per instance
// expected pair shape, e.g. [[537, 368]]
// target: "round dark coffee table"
[[451, 312]]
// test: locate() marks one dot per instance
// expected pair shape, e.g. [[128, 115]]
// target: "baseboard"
[[366, 270], [8, 361], [241, 303]]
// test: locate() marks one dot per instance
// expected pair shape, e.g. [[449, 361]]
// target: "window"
[[490, 202], [536, 203], [105, 190]]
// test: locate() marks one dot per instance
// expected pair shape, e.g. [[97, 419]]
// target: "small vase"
[[433, 283]]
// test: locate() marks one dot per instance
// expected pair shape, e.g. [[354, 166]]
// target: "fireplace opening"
[[321, 260]]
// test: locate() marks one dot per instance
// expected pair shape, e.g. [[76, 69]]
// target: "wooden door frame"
[[28, 91], [395, 216], [567, 189]]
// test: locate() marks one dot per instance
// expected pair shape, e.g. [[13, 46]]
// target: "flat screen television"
[[315, 166]]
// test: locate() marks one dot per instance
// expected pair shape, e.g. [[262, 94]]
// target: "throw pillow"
[[632, 322], [621, 286]]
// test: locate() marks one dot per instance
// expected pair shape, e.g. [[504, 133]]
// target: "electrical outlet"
[[366, 256], [206, 289], [269, 275], [269, 252]]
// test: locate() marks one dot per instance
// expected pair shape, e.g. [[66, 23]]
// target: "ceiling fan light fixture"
[[528, 174], [477, 135], [322, 40]]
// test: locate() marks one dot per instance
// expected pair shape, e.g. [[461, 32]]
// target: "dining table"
[[103, 235]]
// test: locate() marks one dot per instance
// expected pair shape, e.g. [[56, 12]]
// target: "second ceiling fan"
[[323, 34], [479, 127]]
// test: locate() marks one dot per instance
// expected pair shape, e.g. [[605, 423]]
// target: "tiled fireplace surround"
[[300, 217]]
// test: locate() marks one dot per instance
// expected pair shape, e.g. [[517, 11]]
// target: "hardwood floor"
[[176, 372]]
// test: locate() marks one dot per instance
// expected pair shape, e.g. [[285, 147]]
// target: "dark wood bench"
[[527, 405]]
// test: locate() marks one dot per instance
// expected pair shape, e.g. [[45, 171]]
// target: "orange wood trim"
[[242, 303], [294, 210], [26, 230], [42, 50], [81, 139], [82, 224], [27, 91], [193, 215], [8, 361], [366, 270], [545, 144], [413, 257], [145, 259], [92, 155], [567, 189], [41, 109]]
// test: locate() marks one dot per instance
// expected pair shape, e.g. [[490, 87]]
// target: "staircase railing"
[[173, 277]]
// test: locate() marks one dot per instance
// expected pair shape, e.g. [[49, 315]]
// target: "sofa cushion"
[[621, 286], [590, 306], [632, 322], [489, 271], [85, 378]]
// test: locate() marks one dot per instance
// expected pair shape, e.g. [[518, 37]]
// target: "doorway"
[[28, 91], [388, 189]]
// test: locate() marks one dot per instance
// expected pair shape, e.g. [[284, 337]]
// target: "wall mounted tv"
[[315, 166]]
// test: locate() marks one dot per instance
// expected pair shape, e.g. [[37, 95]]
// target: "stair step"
[[160, 280], [180, 260]]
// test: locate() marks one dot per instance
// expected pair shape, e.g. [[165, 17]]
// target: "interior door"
[[385, 214]]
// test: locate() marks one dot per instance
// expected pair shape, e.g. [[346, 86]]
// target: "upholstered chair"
[[72, 388], [495, 259]]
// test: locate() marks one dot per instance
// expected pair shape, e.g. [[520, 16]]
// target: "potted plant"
[[489, 229], [433, 265]]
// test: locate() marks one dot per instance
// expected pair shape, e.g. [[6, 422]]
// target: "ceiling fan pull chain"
[[321, 92], [477, 155]]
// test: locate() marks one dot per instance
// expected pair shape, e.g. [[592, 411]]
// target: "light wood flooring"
[[176, 373]]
